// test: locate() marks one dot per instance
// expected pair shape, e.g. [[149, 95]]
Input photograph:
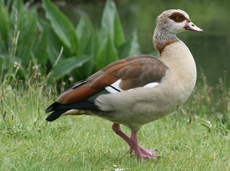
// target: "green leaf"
[[118, 31], [61, 25], [130, 47], [17, 6], [4, 28], [28, 30], [111, 24], [40, 49], [53, 43], [7, 3], [107, 53], [24, 27], [2, 65], [88, 44], [85, 31], [66, 66]]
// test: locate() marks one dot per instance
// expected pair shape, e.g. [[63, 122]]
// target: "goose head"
[[175, 21], [169, 23]]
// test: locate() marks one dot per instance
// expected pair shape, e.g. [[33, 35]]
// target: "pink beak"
[[192, 27]]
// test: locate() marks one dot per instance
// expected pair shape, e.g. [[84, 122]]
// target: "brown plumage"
[[138, 89], [134, 71]]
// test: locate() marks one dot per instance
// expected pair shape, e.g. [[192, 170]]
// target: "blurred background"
[[211, 49]]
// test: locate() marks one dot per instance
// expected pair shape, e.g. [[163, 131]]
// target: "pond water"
[[211, 49]]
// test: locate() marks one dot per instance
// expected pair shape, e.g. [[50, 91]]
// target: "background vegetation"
[[40, 56], [56, 45]]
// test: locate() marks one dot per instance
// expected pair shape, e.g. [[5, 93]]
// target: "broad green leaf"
[[8, 3], [4, 28], [17, 5], [85, 31], [111, 24], [27, 37], [17, 15], [93, 47], [23, 28], [2, 65], [107, 53], [53, 43], [27, 27], [40, 49], [66, 66], [74, 41], [88, 44], [1, 43], [130, 47], [61, 25], [118, 31]]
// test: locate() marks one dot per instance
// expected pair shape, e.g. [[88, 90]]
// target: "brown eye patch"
[[177, 17]]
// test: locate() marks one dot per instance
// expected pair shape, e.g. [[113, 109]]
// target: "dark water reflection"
[[211, 49]]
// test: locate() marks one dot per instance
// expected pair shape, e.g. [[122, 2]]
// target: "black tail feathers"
[[56, 114], [58, 108], [52, 107]]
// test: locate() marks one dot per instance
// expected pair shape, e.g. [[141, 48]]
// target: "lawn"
[[185, 141]]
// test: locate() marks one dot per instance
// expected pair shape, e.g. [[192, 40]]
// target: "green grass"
[[27, 142], [88, 143]]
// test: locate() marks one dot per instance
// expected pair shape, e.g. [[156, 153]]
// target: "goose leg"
[[117, 129], [133, 143]]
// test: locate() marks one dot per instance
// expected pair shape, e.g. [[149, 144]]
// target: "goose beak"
[[192, 27]]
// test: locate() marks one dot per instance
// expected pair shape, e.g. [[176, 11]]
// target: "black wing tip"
[[48, 110], [49, 119], [52, 117], [51, 107], [58, 109], [55, 115]]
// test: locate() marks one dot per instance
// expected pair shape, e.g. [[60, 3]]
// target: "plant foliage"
[[55, 45]]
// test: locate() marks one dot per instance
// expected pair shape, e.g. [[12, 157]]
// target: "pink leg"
[[116, 128], [133, 143]]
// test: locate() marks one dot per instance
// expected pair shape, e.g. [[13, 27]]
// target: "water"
[[211, 49]]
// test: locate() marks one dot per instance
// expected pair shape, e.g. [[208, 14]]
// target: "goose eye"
[[178, 18]]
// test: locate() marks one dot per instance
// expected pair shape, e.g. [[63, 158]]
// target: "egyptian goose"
[[138, 89]]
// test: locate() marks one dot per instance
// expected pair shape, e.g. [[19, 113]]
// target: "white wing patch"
[[151, 84], [114, 88]]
